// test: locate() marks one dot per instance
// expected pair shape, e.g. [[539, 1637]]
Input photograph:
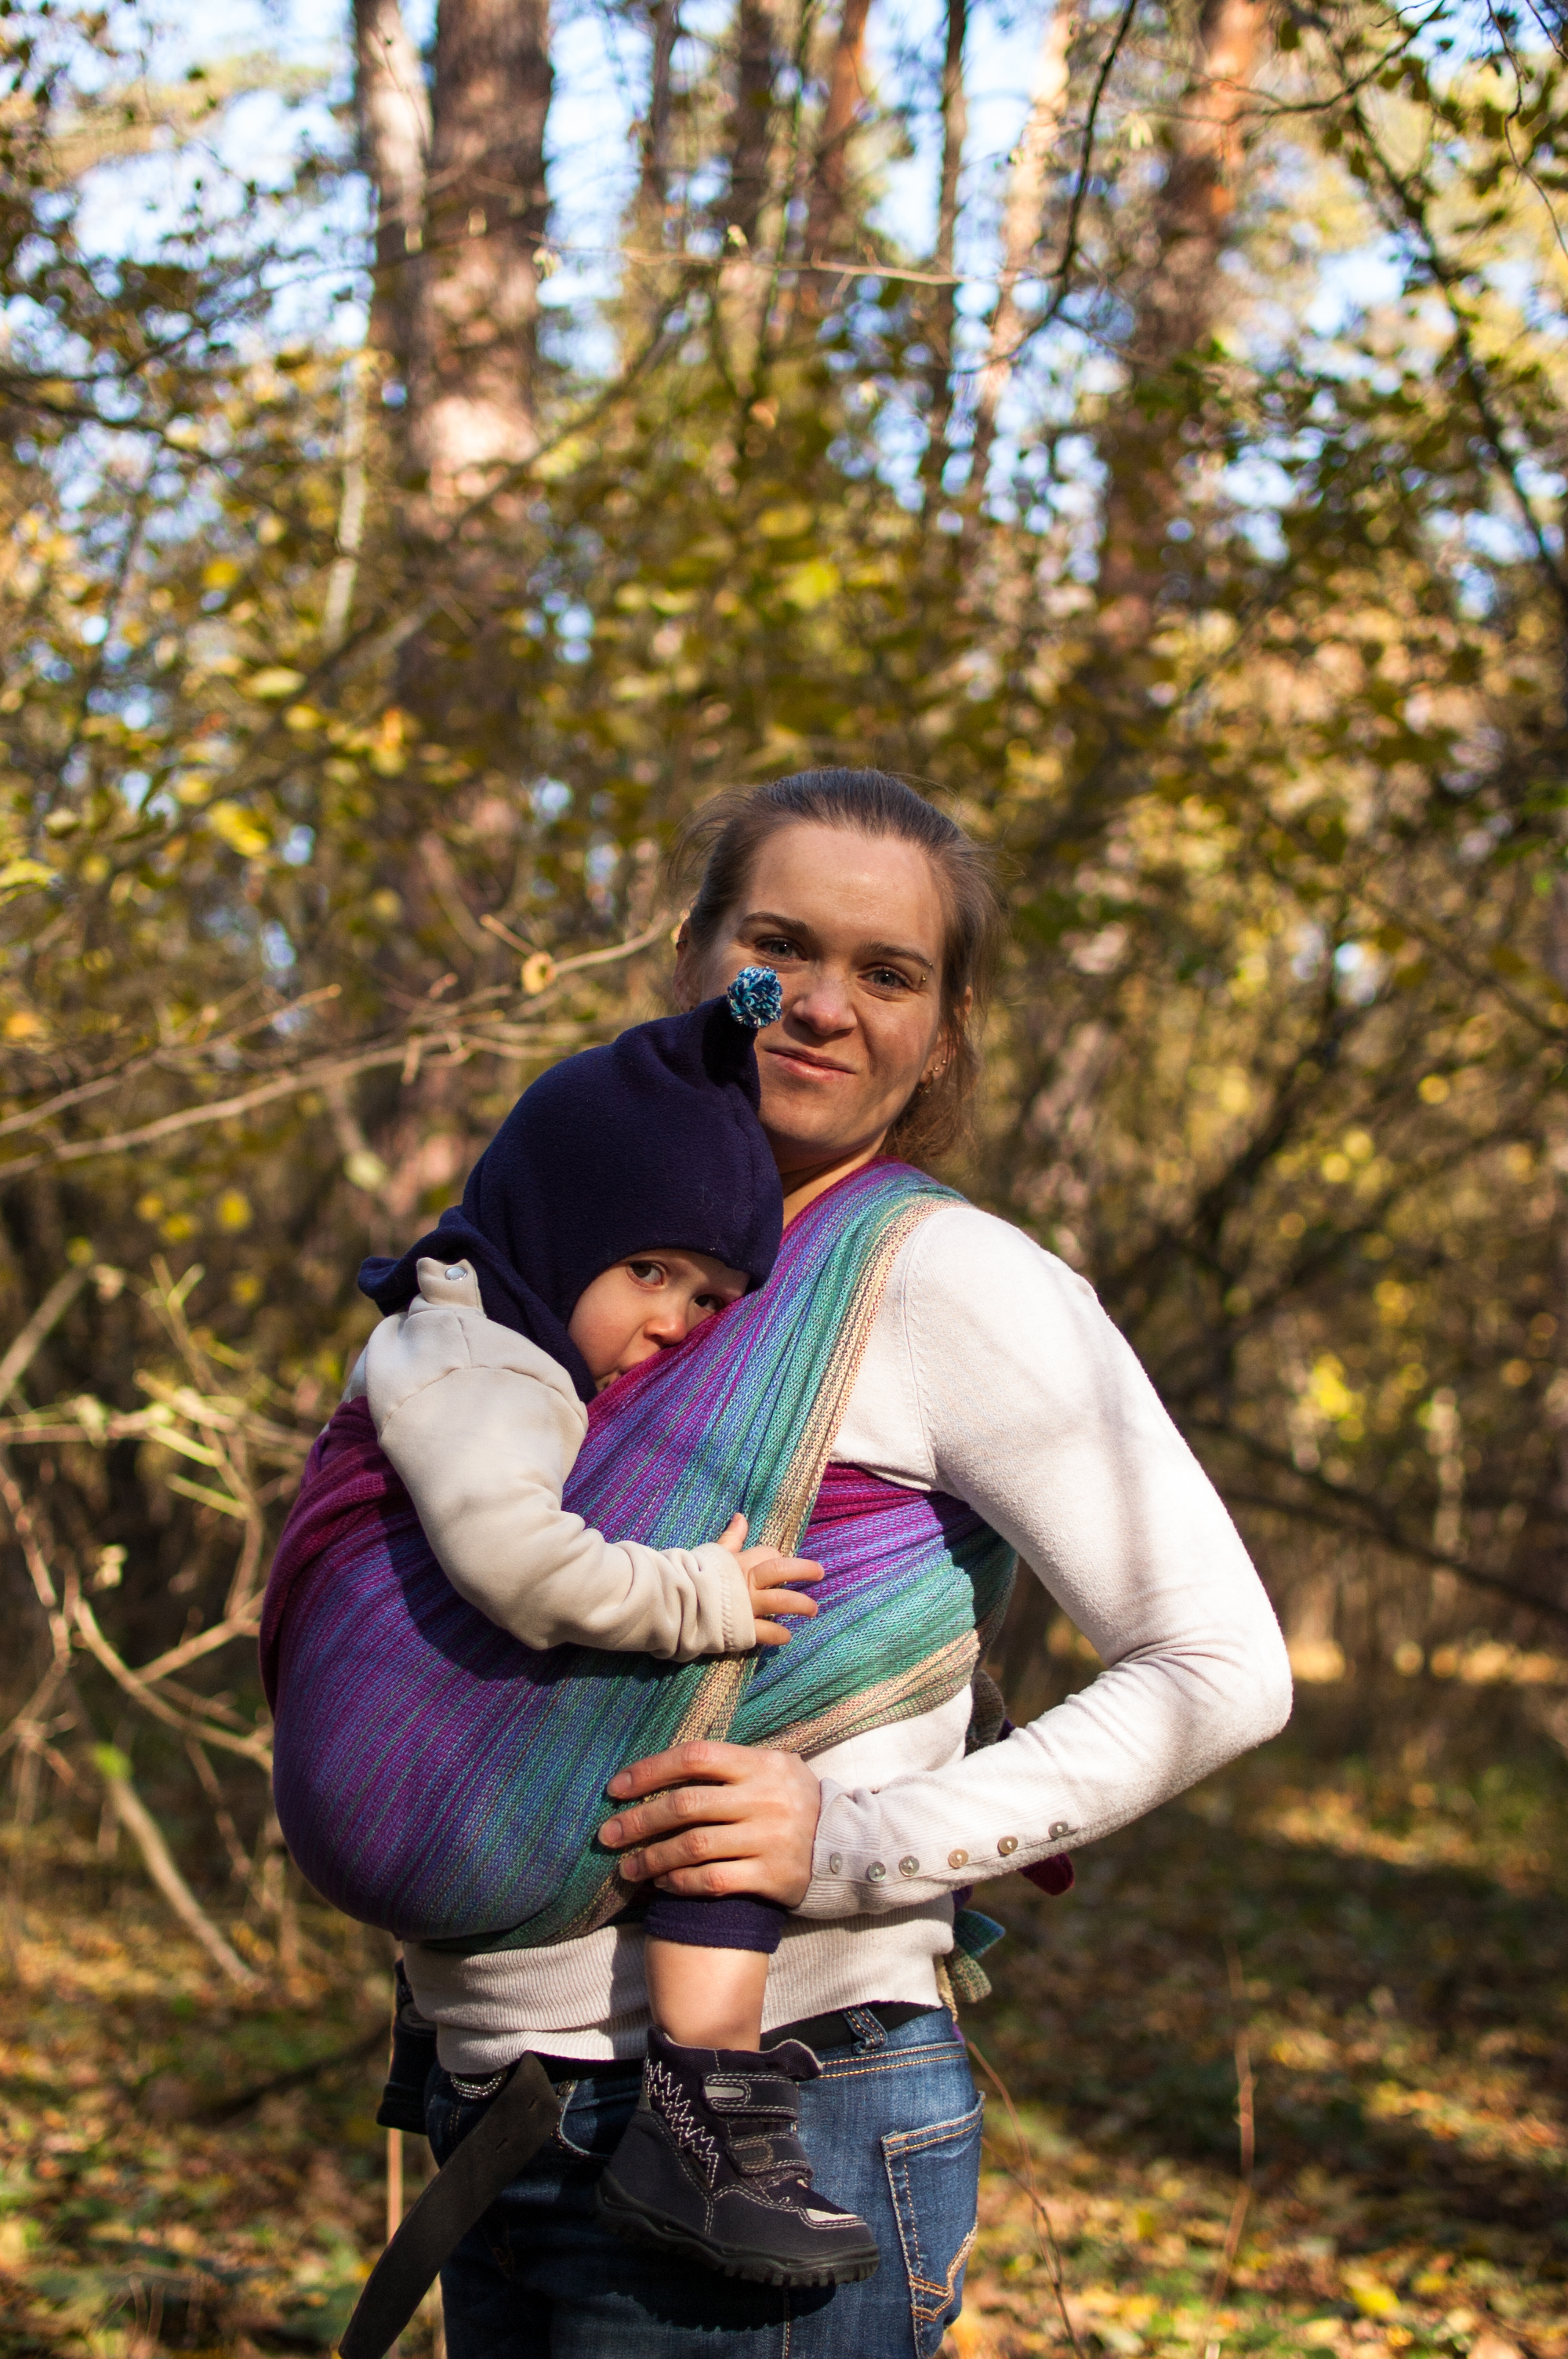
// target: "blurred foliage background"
[[1182, 510]]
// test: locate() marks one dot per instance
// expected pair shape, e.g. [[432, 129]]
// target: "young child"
[[629, 1195]]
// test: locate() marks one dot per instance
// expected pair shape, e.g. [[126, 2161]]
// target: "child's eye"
[[647, 1272]]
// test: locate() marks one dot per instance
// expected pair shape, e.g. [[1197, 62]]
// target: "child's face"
[[644, 1305]]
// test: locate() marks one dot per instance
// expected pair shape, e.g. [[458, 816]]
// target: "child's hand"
[[771, 1578]]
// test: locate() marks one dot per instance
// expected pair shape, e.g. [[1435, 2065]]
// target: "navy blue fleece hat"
[[651, 1141]]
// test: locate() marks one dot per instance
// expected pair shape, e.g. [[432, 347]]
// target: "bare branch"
[[147, 1836]]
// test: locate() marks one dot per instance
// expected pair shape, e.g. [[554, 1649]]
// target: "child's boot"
[[712, 2166]]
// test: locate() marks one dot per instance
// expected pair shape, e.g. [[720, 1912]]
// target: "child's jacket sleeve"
[[485, 1428]]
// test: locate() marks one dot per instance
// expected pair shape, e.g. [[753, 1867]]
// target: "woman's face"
[[852, 925]]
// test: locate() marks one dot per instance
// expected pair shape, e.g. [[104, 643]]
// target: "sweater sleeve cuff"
[[876, 1852], [738, 1627]]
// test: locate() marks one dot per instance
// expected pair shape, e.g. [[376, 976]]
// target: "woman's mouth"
[[819, 1067]]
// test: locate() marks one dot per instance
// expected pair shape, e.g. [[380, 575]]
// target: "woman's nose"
[[824, 1004]]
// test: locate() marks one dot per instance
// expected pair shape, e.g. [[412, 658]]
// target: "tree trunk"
[[392, 106], [1177, 308], [944, 310], [652, 193], [829, 179], [751, 147], [472, 383], [1020, 228]]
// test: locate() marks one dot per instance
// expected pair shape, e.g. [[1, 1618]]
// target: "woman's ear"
[[686, 993], [949, 1036]]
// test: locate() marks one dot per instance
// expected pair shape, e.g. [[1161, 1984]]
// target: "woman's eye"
[[889, 978], [778, 946]]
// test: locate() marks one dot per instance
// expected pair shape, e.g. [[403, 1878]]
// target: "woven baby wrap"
[[435, 1776]]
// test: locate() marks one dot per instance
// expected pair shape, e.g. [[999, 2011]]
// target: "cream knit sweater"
[[993, 1375]]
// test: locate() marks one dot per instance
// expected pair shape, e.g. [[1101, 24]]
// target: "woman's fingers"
[[711, 1882], [751, 1831], [688, 1806], [702, 1757]]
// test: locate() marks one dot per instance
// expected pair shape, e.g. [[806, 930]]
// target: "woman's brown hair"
[[729, 832]]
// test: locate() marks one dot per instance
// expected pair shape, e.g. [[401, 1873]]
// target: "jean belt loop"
[[869, 2031]]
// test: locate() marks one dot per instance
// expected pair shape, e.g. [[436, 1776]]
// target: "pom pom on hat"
[[756, 997]]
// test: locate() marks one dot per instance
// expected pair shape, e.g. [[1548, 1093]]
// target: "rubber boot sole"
[[639, 2226]]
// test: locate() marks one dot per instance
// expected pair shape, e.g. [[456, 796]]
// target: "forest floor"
[[1384, 1960]]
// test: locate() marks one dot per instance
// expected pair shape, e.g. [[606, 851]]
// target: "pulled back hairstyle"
[[729, 832]]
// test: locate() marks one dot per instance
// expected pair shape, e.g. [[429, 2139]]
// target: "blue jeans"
[[893, 2130]]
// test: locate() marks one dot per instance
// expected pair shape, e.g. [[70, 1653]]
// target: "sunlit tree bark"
[[1177, 301], [393, 105], [829, 179], [944, 307], [472, 380], [1032, 164], [652, 193]]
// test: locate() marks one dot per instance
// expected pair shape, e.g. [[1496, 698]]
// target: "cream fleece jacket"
[[992, 1373], [484, 1428]]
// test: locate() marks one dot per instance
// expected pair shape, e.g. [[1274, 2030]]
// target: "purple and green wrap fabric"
[[435, 1778]]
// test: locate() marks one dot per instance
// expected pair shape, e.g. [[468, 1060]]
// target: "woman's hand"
[[748, 1823]]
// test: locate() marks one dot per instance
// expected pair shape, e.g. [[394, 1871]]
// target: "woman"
[[991, 1375]]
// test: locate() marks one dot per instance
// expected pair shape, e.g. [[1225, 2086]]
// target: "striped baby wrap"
[[435, 1776]]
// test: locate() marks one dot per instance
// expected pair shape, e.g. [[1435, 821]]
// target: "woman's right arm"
[[1034, 1409]]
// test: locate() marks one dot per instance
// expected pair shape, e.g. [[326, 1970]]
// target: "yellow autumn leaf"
[[275, 681], [238, 828], [20, 875], [782, 523], [811, 585]]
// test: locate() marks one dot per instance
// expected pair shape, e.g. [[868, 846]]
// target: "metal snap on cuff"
[[957, 1859], [835, 1862], [1008, 1843], [909, 1865], [454, 1274], [1059, 1827], [875, 1873]]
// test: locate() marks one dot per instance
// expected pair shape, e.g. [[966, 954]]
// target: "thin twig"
[[1208, 2340], [226, 2109], [18, 1353], [147, 1836], [250, 1748], [1053, 2253], [239, 1858], [449, 1032]]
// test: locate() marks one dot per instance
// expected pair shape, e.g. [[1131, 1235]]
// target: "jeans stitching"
[[565, 2091], [928, 2296], [913, 2141], [892, 2059]]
